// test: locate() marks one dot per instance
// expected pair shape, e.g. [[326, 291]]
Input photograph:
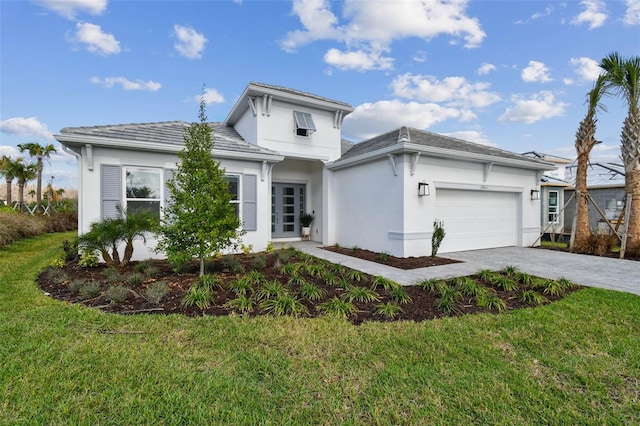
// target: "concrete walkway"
[[592, 271]]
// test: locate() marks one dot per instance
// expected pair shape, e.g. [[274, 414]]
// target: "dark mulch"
[[396, 262], [58, 283]]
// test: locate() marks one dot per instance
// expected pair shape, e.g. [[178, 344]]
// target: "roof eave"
[[403, 148], [79, 140], [241, 105]]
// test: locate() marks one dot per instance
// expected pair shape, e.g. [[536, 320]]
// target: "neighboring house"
[[283, 155], [552, 193], [605, 184]]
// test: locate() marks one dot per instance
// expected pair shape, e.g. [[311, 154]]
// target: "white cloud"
[[420, 56], [452, 91], [568, 81], [547, 11], [471, 136], [537, 107], [586, 68], [486, 68], [95, 40], [70, 8], [371, 119], [127, 84], [594, 14], [358, 60], [22, 126], [632, 15], [536, 72], [211, 96], [9, 151], [190, 43], [370, 27]]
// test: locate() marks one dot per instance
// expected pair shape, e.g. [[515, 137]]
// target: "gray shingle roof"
[[297, 92], [428, 139], [169, 133]]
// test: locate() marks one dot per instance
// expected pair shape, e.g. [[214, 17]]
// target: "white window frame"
[[304, 124], [159, 200], [552, 211], [238, 200]]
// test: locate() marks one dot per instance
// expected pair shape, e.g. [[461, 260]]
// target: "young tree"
[[623, 77], [24, 172], [585, 141], [8, 170], [40, 152], [200, 220]]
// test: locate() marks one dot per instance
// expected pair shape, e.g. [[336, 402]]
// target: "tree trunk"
[[582, 231], [201, 266], [39, 187], [21, 196], [633, 231], [9, 200]]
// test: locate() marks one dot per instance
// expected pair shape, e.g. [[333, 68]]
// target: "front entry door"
[[287, 202]]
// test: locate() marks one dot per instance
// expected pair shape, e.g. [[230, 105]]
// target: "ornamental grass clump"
[[433, 285], [360, 294], [492, 301], [448, 300], [283, 304], [388, 309], [399, 295], [531, 297], [338, 307], [383, 282], [241, 304], [311, 292]]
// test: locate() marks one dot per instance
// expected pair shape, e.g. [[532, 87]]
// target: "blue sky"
[[511, 74]]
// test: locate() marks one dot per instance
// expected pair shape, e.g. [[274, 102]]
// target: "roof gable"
[[285, 94]]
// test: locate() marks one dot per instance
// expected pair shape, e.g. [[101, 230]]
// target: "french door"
[[287, 202]]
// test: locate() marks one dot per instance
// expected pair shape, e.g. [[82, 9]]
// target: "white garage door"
[[477, 219]]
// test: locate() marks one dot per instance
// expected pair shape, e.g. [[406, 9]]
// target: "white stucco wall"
[[368, 202], [380, 211], [91, 197], [276, 131]]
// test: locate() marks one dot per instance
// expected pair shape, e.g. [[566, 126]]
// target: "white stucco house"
[[283, 155]]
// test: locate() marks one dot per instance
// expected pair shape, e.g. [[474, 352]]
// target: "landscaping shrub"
[[15, 226], [437, 236], [117, 293], [156, 292]]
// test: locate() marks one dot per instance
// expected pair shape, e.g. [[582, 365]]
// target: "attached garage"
[[477, 219], [391, 188]]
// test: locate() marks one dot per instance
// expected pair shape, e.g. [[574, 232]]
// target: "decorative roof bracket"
[[392, 161], [252, 105], [266, 105], [414, 162], [266, 170], [487, 170], [89, 152], [337, 119]]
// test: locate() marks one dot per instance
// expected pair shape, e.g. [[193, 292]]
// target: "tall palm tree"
[[7, 169], [40, 152], [24, 172], [585, 141], [623, 77]]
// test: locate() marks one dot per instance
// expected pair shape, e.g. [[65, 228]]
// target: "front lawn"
[[575, 361]]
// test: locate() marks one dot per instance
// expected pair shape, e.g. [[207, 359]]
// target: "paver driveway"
[[593, 271]]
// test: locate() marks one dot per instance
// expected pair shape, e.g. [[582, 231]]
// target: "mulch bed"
[[58, 283], [396, 262]]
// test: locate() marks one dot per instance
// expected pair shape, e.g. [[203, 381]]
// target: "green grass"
[[575, 361]]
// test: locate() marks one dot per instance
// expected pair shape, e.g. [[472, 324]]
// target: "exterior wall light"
[[423, 189], [535, 194]]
